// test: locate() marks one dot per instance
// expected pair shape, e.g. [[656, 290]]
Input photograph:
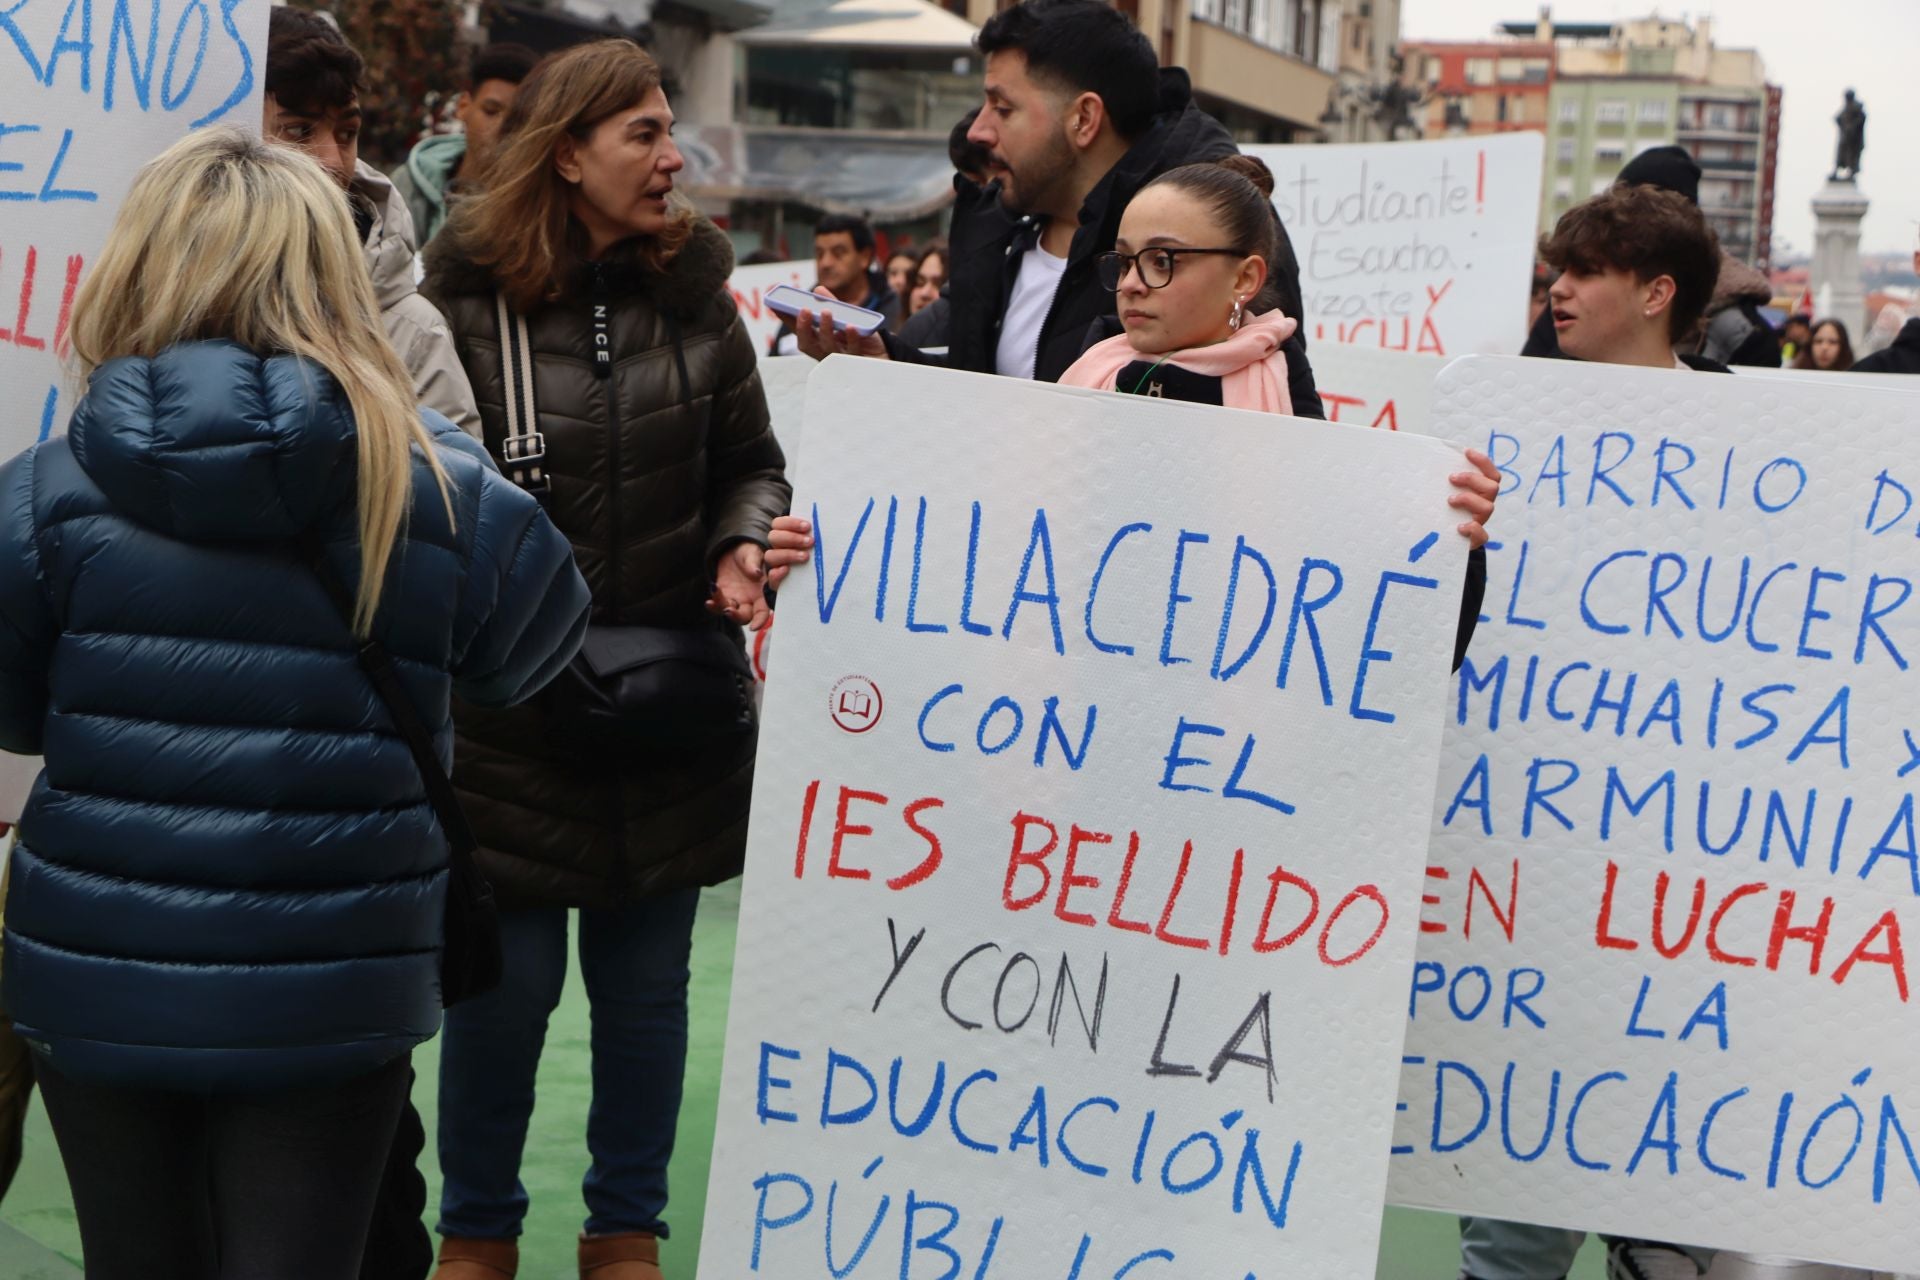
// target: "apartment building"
[[1603, 92], [1622, 88], [1479, 87]]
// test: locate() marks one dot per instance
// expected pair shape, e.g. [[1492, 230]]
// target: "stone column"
[[1837, 211]]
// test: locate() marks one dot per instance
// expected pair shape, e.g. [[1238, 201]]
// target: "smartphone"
[[789, 301]]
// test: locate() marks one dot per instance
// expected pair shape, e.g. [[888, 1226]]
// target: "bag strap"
[[679, 355], [375, 661], [680, 363], [524, 451]]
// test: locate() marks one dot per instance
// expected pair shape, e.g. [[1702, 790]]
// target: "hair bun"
[[1253, 169]]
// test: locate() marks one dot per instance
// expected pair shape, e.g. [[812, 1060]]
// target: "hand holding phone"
[[790, 302]]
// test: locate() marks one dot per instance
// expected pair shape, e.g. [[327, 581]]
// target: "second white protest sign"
[[1424, 247], [1091, 802], [1386, 390], [1664, 986]]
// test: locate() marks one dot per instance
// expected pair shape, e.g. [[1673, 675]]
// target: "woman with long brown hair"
[[1829, 349], [615, 380], [926, 278]]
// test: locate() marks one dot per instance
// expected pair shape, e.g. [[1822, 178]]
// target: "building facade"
[[1598, 124], [1621, 88], [830, 106], [1603, 92], [1735, 133], [1373, 61], [1479, 87]]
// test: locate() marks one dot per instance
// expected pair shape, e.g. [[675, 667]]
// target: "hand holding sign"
[[790, 545], [1474, 493]]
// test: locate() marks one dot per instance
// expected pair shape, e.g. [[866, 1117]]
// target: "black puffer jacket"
[[1733, 330], [987, 246], [651, 484]]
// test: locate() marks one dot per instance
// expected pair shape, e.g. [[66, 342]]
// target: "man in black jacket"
[[1904, 355], [1078, 117]]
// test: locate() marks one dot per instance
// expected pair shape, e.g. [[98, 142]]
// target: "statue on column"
[[1396, 101], [1853, 139]]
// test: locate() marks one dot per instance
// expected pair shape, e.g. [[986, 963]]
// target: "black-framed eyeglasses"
[[1155, 265]]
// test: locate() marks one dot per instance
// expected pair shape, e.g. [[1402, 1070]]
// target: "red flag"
[[1804, 307]]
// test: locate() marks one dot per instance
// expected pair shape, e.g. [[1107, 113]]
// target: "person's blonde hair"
[[224, 236], [519, 225]]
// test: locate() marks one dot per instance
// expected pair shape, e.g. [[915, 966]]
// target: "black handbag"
[[631, 692], [470, 957], [643, 690]]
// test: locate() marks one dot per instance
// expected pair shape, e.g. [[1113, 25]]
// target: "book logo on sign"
[[854, 703]]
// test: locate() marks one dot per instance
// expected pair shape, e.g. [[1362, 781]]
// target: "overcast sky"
[[1814, 50]]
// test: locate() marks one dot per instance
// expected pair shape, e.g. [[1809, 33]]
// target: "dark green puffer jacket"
[[650, 485]]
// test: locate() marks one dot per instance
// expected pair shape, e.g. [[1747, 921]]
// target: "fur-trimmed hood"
[[1739, 281], [688, 285]]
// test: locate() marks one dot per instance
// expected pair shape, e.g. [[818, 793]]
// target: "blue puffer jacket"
[[228, 876]]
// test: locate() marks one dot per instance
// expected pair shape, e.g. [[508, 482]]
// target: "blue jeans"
[[634, 961]]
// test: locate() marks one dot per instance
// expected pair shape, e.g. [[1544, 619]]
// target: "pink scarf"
[[1250, 365]]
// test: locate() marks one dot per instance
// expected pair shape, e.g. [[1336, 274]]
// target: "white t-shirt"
[[1033, 291]]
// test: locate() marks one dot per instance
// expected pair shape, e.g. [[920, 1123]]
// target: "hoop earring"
[[1235, 318]]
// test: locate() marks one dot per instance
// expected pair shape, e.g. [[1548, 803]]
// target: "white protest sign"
[[1087, 829], [1663, 986], [1389, 390], [89, 92], [1425, 247], [1885, 381], [749, 287], [784, 379]]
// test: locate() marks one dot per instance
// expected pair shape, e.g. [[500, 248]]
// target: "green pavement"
[[24, 1258], [1415, 1246]]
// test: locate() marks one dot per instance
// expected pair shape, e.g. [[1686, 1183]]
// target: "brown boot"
[[631, 1255], [477, 1259]]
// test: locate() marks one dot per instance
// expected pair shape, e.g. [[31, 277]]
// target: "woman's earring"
[[1233, 320]]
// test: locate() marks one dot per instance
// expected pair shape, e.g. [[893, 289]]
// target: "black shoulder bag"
[[632, 691], [470, 959]]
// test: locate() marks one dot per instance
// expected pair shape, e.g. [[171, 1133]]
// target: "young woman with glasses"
[[1190, 271], [1194, 307]]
